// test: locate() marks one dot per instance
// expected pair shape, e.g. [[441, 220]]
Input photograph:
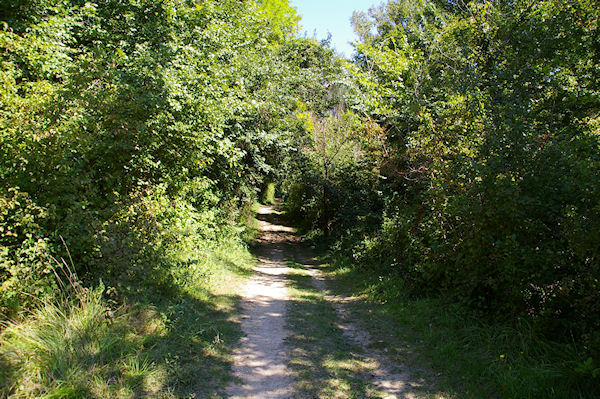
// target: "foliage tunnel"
[[458, 151]]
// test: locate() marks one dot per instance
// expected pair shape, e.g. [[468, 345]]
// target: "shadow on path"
[[298, 342]]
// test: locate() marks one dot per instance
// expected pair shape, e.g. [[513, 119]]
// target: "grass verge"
[[173, 345], [471, 357]]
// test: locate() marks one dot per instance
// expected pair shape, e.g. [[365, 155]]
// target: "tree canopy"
[[458, 151]]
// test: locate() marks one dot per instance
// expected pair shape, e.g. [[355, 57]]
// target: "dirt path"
[[260, 363], [392, 380]]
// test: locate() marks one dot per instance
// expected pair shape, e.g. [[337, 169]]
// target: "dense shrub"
[[133, 131], [483, 184], [26, 269]]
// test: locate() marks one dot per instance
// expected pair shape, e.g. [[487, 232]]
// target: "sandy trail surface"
[[260, 362], [394, 381]]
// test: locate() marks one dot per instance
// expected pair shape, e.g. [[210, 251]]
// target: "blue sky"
[[331, 16]]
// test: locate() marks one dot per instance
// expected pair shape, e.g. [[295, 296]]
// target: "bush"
[[26, 265]]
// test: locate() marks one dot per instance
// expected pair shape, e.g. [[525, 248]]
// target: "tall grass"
[[77, 348], [168, 343]]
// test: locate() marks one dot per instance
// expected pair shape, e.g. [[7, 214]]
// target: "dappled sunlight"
[[260, 363], [340, 357], [270, 221], [306, 336]]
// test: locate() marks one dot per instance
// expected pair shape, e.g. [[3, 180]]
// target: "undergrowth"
[[159, 344], [472, 356]]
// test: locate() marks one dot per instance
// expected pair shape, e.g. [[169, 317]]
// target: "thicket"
[[129, 129], [458, 152], [465, 160], [135, 136]]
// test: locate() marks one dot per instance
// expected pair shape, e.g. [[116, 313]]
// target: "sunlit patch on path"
[[337, 358], [300, 341], [394, 384], [260, 361]]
